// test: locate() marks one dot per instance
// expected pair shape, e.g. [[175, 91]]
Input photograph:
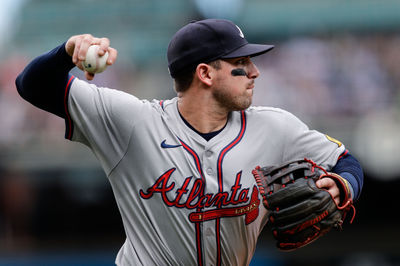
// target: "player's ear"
[[203, 73]]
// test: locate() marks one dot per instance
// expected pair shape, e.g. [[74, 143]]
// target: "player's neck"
[[201, 114]]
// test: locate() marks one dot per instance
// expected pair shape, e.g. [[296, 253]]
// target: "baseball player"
[[180, 169]]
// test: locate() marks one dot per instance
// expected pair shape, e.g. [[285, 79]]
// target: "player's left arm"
[[350, 169], [326, 151]]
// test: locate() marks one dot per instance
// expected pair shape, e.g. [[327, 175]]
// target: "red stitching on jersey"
[[218, 239], [199, 245], [198, 228], [220, 175], [228, 147], [195, 157], [343, 154]]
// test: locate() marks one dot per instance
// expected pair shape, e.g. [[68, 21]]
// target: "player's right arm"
[[43, 81], [101, 118]]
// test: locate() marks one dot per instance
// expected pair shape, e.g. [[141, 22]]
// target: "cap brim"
[[249, 50]]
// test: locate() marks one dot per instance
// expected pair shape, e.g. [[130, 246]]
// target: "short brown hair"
[[183, 80]]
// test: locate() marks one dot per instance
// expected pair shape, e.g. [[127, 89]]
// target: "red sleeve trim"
[[343, 154], [69, 126]]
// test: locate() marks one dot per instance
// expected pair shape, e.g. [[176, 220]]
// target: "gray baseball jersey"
[[184, 200]]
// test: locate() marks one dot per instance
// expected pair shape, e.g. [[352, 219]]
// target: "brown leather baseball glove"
[[299, 211]]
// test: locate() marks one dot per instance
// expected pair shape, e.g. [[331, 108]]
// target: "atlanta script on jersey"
[[184, 200]]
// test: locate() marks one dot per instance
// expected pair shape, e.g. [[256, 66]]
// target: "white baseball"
[[93, 62]]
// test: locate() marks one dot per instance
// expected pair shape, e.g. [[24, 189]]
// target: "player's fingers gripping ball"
[[94, 63], [299, 211]]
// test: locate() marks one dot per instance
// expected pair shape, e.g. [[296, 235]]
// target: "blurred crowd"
[[333, 76]]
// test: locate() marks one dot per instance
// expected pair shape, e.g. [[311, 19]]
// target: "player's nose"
[[253, 71]]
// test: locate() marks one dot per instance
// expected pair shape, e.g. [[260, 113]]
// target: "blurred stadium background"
[[336, 65]]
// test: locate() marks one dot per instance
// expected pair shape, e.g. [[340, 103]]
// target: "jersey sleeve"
[[43, 80], [102, 119], [301, 142]]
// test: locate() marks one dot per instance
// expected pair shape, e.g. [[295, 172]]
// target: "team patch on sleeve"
[[337, 142]]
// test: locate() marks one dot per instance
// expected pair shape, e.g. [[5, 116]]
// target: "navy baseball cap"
[[208, 40]]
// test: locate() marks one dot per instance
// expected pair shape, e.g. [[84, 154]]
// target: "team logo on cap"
[[240, 31]]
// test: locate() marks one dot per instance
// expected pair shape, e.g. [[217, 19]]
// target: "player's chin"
[[248, 104], [243, 104], [249, 98], [250, 92]]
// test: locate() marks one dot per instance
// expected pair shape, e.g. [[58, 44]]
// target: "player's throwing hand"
[[78, 45]]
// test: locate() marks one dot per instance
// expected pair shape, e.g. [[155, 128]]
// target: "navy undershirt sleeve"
[[349, 168], [43, 81]]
